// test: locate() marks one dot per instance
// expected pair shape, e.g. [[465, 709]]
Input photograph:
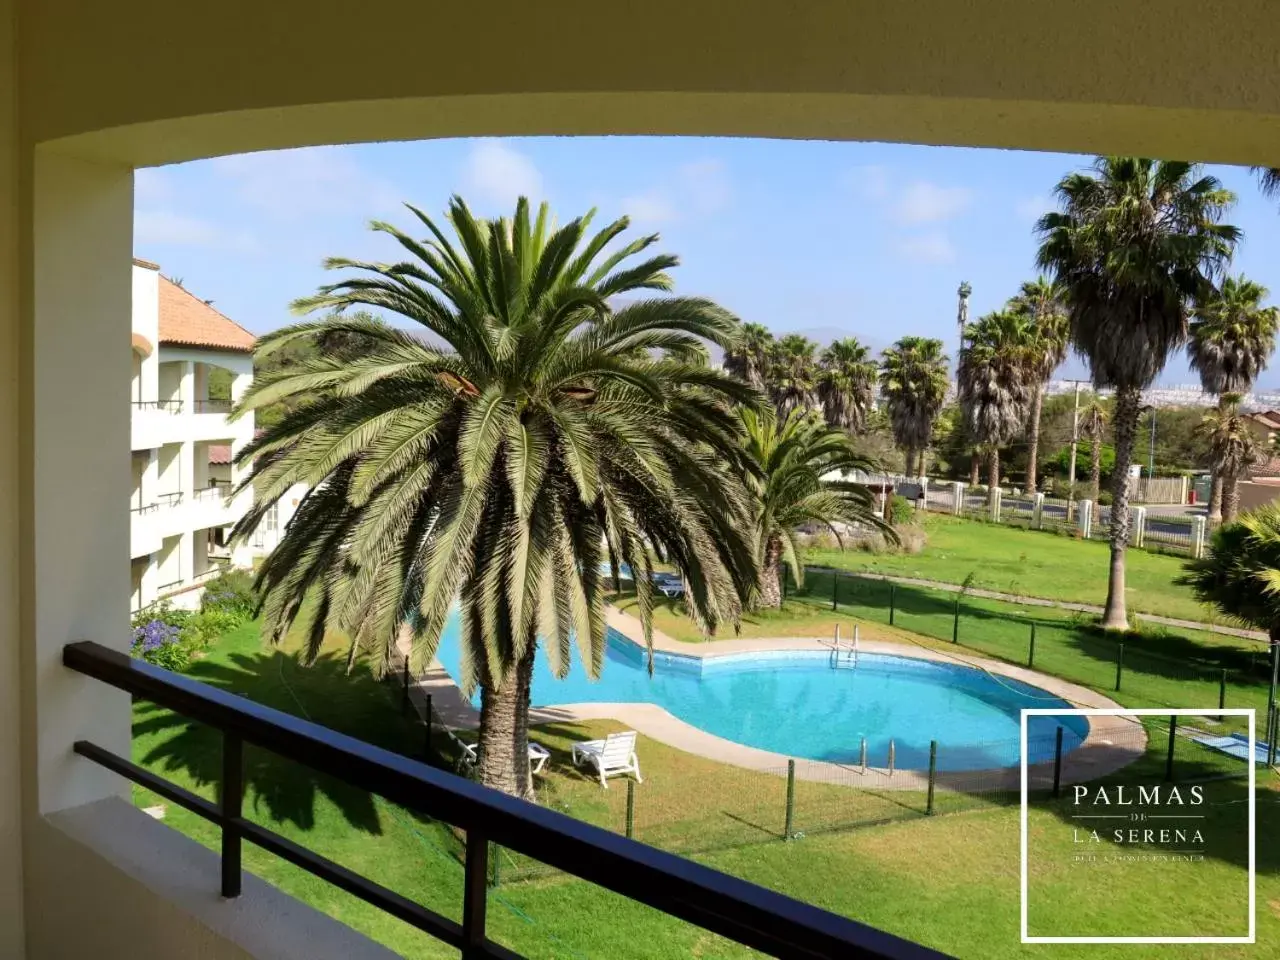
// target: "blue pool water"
[[798, 704]]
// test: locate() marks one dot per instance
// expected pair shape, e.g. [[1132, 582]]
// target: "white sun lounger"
[[615, 754], [538, 754]]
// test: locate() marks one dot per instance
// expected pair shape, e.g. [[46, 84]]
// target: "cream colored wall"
[[11, 920], [1109, 76]]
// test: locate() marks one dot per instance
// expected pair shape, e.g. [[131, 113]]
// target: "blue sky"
[[829, 239]]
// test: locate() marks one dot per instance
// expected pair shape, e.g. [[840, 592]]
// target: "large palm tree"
[[1232, 447], [549, 436], [1232, 335], [998, 376], [792, 375], [1135, 242], [913, 381], [1094, 423], [748, 359], [795, 465], [1041, 301], [846, 383]]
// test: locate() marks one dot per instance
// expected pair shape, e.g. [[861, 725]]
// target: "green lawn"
[[950, 881], [1029, 563]]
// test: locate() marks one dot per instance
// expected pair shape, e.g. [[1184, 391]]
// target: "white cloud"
[[497, 175], [933, 246], [1033, 208], [700, 188], [925, 202], [155, 227], [291, 184]]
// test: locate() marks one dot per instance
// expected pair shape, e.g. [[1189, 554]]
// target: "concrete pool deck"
[[1111, 744]]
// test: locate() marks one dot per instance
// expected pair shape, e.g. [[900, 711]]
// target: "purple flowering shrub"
[[162, 636]]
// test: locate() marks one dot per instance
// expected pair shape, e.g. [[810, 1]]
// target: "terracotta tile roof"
[[190, 322], [1269, 418], [219, 453]]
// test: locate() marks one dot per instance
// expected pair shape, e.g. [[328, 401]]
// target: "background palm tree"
[[846, 383], [748, 359], [1094, 424], [913, 381], [792, 375], [1240, 575], [1232, 447], [1232, 335], [792, 461], [1135, 242], [1041, 301], [1269, 180], [550, 437], [998, 376]]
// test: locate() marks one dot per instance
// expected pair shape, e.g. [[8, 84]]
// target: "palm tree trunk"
[[1115, 616], [1033, 439], [504, 731], [1215, 496], [1230, 484], [975, 464], [993, 472], [1095, 476], [909, 461], [771, 575]]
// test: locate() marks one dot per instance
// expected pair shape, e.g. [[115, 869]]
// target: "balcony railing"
[[169, 499], [166, 587], [168, 406], [144, 508], [213, 492], [213, 406], [733, 908]]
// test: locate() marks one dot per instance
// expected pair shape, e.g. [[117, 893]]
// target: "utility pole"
[[1075, 442], [1151, 453]]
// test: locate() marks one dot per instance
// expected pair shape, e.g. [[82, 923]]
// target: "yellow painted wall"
[[1171, 78]]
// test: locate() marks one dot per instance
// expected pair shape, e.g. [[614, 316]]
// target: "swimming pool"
[[798, 704]]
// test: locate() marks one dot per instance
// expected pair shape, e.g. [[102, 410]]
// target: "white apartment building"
[[182, 445]]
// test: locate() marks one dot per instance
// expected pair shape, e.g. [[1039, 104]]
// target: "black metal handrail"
[[169, 499], [733, 908], [213, 406]]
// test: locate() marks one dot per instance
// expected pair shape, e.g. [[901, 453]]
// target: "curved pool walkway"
[[1111, 744]]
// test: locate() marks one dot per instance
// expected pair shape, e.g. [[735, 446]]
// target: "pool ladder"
[[844, 654]]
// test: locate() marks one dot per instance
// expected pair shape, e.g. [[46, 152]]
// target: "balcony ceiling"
[[154, 82]]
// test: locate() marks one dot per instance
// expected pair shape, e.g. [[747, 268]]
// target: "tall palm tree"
[[913, 381], [1232, 335], [846, 383], [998, 376], [792, 377], [496, 475], [1135, 242], [1232, 447], [1041, 301], [794, 463], [1269, 180], [748, 359], [1094, 424]]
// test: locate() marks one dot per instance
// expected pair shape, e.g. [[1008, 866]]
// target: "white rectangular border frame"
[[1253, 821]]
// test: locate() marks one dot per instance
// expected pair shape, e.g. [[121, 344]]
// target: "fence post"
[[835, 591], [1139, 525], [995, 504], [1057, 763], [863, 755], [631, 807], [404, 699], [791, 800], [955, 620], [957, 498], [933, 774], [495, 856], [1084, 518], [1168, 765], [1031, 648], [892, 751], [892, 600], [1222, 690], [1037, 511], [1119, 662], [1197, 537]]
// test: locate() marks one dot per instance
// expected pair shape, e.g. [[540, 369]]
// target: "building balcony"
[[157, 422]]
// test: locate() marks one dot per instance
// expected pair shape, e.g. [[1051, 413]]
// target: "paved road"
[[1060, 604]]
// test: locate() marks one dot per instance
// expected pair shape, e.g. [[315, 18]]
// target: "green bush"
[[164, 636], [208, 625], [232, 592], [900, 510]]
